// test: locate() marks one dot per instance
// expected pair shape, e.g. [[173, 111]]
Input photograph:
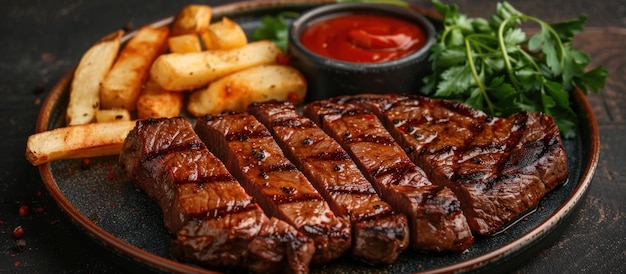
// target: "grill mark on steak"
[[292, 123], [330, 156], [247, 134], [215, 222], [379, 234], [220, 212], [498, 167], [517, 129], [437, 223], [394, 173], [205, 179], [251, 154], [173, 149], [282, 167]]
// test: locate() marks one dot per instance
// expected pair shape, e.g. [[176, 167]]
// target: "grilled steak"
[[379, 234], [498, 167], [436, 220], [216, 223], [251, 154]]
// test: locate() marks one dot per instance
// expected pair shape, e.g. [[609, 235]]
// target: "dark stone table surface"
[[42, 40]]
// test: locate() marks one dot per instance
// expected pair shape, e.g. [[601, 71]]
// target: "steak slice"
[[216, 223], [251, 154], [379, 234], [498, 167], [436, 220]]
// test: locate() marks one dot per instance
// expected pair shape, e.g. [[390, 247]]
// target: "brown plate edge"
[[565, 211]]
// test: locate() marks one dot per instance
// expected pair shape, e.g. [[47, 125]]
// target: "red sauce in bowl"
[[363, 38]]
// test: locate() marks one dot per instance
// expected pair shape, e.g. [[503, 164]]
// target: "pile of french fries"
[[208, 65]]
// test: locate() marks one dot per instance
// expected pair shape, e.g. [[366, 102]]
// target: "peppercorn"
[[261, 155], [18, 232], [23, 210]]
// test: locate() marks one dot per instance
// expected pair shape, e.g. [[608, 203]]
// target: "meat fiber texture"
[[498, 167], [379, 234], [255, 159], [437, 222], [450, 171], [216, 223]]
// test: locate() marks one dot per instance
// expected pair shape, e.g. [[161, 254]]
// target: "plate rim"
[[587, 122]]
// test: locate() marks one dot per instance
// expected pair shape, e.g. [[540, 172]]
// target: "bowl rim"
[[325, 11]]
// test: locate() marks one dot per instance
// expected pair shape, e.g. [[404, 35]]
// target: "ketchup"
[[363, 38]]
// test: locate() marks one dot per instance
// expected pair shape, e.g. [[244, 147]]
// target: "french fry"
[[90, 73], [88, 140], [156, 102], [189, 71], [191, 19], [225, 34], [112, 115], [109, 83], [122, 85], [184, 43], [258, 84]]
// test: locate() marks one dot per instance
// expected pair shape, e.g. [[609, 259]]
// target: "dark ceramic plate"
[[103, 203]]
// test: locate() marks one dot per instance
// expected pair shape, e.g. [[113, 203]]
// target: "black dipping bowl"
[[328, 77]]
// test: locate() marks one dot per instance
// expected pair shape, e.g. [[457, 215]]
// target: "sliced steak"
[[379, 234], [251, 154], [436, 220], [216, 223], [498, 167]]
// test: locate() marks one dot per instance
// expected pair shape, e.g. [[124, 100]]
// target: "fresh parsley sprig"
[[275, 28], [492, 66]]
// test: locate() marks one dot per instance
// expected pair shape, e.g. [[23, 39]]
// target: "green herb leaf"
[[275, 29], [500, 90], [567, 29], [475, 100], [558, 94], [594, 79], [493, 66], [450, 57], [514, 37], [455, 80], [544, 41]]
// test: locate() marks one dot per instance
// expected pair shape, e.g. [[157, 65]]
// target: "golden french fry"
[[189, 71], [112, 115], [184, 43], [257, 84], [122, 85], [225, 34], [88, 140], [89, 74], [191, 19], [156, 102]]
